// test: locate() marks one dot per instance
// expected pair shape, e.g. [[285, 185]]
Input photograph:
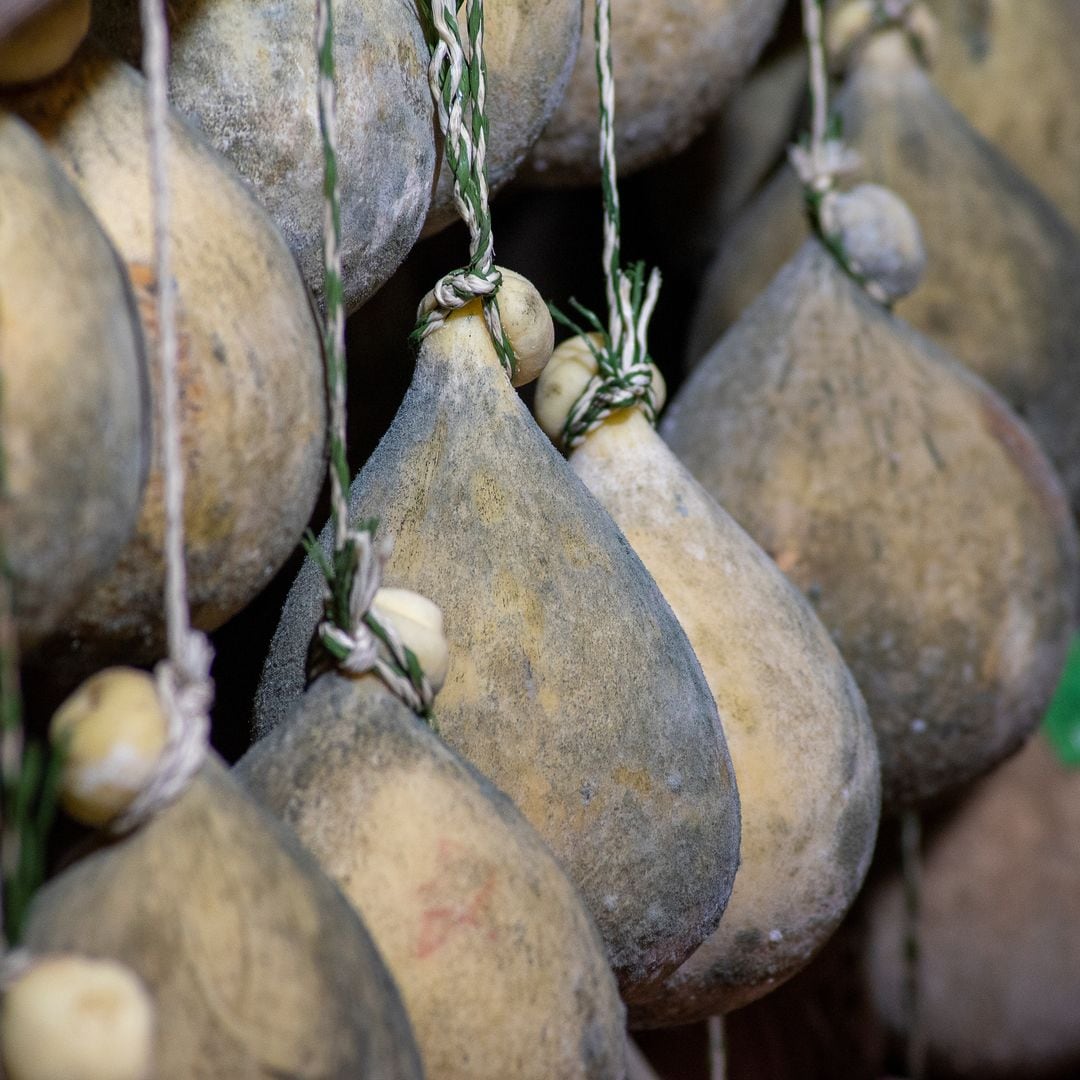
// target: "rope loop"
[[364, 643], [624, 372], [186, 693]]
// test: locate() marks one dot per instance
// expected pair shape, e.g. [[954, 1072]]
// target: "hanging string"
[[183, 679], [822, 158], [624, 371], [349, 631], [459, 89]]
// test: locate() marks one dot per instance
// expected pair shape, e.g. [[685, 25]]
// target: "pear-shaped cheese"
[[1003, 267], [252, 396], [499, 965], [571, 684], [246, 74], [1010, 67], [75, 419], [257, 965], [674, 62], [897, 491], [999, 941], [529, 47], [804, 752]]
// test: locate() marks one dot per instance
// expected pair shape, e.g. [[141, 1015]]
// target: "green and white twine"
[[459, 89], [624, 371], [822, 158], [349, 631]]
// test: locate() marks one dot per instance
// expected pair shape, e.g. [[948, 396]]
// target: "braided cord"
[[459, 88], [624, 372], [349, 632]]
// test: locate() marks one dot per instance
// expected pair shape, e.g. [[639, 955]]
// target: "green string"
[[623, 368], [459, 89], [339, 570]]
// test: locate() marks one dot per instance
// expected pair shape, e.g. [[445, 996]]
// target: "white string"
[[819, 164], [364, 650], [183, 679]]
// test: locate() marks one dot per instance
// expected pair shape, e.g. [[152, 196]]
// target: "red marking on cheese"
[[452, 913]]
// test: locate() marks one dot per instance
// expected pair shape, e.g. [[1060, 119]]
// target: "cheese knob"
[[113, 731], [527, 322], [419, 624], [73, 1018], [879, 237], [564, 379]]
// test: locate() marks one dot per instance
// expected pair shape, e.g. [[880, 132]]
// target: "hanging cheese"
[[571, 684], [257, 965], [675, 64], [250, 369], [246, 75], [501, 969], [1010, 67], [901, 495], [75, 423], [43, 43], [999, 948], [1003, 268], [804, 753]]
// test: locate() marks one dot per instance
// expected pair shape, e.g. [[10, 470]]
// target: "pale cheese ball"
[[564, 380], [527, 322], [113, 731], [44, 43], [525, 319], [879, 237], [419, 624], [74, 1018]]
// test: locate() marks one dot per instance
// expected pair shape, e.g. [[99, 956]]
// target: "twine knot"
[[624, 372], [819, 165], [361, 646], [186, 693], [456, 289]]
